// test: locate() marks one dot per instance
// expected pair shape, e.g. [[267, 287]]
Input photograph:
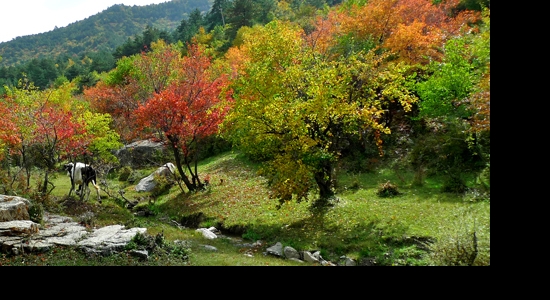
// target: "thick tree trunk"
[[323, 178]]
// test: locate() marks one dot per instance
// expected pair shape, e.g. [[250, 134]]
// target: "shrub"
[[462, 243], [162, 185], [124, 173], [36, 212], [454, 184], [387, 189], [87, 219]]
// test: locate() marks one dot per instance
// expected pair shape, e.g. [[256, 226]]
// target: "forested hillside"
[[101, 32]]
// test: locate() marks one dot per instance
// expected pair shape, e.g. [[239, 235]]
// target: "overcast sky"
[[26, 17]]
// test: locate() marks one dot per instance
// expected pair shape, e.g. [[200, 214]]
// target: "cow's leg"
[[72, 189], [86, 191], [81, 189]]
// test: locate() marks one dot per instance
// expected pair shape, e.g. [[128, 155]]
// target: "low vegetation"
[[379, 217]]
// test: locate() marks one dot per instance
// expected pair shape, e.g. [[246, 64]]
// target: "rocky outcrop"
[[19, 234], [139, 154]]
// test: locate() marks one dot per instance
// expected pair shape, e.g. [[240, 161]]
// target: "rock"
[[207, 233], [296, 259], [13, 208], [291, 252], [143, 254], [148, 183], [210, 248], [109, 239], [276, 250], [139, 154], [349, 262], [18, 227], [310, 257]]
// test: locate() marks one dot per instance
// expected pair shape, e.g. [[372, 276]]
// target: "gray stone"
[[143, 254], [210, 248], [310, 257], [18, 227], [148, 183], [109, 239], [276, 250], [291, 252], [349, 262]]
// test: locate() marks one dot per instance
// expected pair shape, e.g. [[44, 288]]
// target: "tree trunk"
[[45, 185], [323, 178], [177, 157]]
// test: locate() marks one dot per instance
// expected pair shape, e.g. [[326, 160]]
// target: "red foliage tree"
[[54, 136], [119, 101], [187, 111]]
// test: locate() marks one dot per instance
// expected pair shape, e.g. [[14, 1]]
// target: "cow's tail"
[[96, 186]]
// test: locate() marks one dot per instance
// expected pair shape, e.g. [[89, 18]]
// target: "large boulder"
[[13, 208], [141, 153], [148, 183]]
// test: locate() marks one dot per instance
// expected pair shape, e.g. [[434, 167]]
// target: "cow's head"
[[68, 167]]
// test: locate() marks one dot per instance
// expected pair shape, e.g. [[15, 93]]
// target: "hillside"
[[103, 31]]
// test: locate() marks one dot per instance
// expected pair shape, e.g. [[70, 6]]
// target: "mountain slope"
[[103, 31]]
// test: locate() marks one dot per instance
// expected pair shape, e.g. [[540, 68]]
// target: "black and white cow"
[[82, 174]]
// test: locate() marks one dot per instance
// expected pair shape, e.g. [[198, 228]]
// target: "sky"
[[26, 17]]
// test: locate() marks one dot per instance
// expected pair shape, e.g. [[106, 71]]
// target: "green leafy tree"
[[217, 14], [190, 27], [296, 110], [455, 106], [240, 14]]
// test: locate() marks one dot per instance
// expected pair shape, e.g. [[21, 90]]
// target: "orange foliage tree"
[[414, 30]]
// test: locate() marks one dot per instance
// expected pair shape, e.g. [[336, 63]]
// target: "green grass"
[[420, 226]]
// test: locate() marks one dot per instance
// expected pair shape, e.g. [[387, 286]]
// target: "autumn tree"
[[187, 111], [132, 83], [413, 30], [18, 106], [295, 110], [44, 125], [50, 126]]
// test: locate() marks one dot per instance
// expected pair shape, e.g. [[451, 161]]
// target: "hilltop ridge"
[[105, 30]]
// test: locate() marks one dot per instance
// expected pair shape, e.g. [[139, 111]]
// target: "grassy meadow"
[[421, 226]]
